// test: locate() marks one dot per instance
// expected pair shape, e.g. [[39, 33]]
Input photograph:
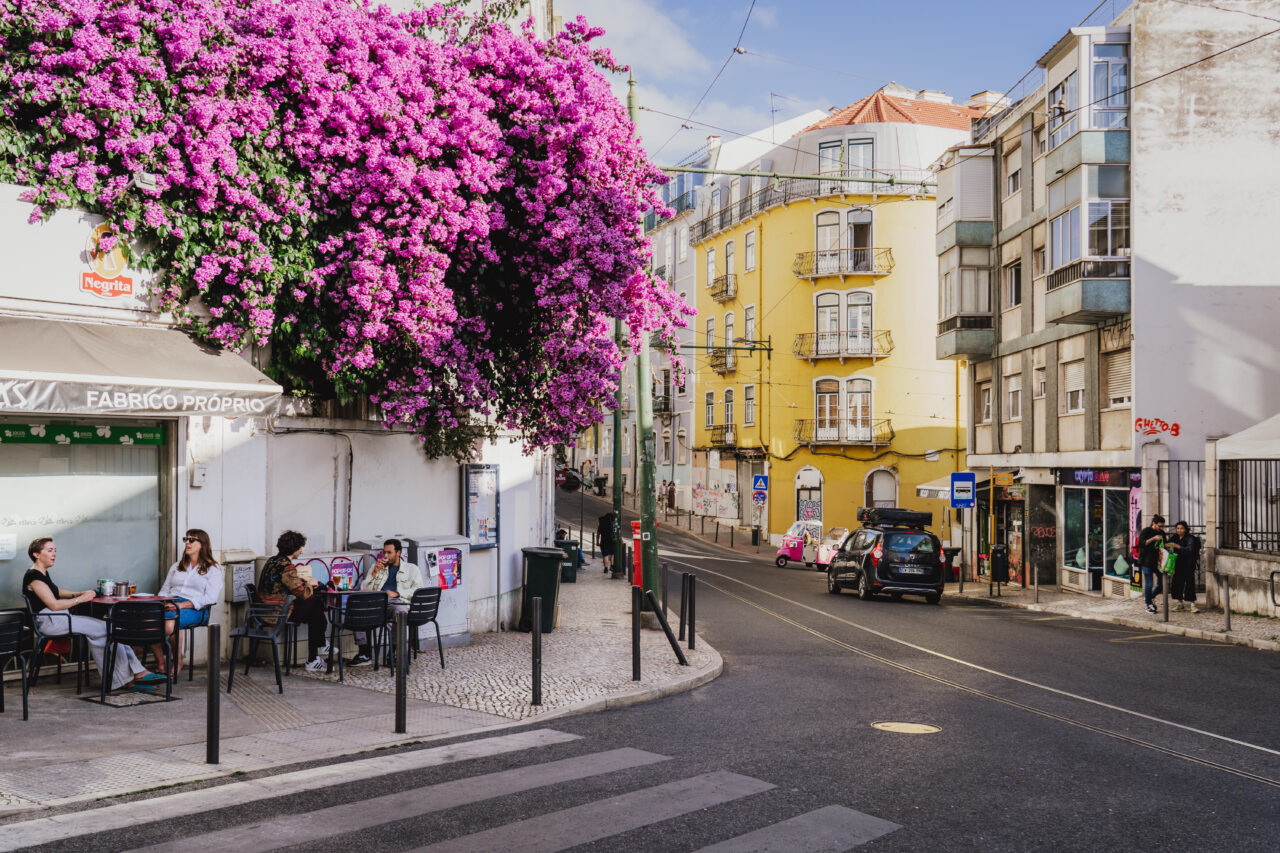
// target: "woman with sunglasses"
[[50, 604], [195, 582]]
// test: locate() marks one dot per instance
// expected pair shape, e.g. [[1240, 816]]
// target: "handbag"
[[1167, 560]]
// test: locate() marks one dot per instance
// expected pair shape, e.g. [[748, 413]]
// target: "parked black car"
[[891, 552]]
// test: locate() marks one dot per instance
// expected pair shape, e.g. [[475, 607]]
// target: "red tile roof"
[[878, 108]]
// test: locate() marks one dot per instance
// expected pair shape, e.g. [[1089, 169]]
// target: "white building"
[[118, 433]]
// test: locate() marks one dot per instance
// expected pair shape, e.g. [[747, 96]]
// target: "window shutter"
[[1073, 376], [1119, 373]]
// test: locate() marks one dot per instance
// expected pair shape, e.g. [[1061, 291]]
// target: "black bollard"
[[665, 571], [717, 531], [213, 705], [537, 651], [732, 527], [400, 626], [666, 628], [635, 633], [693, 605], [684, 600]]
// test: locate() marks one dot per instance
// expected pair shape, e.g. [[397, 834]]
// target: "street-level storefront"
[[90, 438], [1099, 510], [1022, 520]]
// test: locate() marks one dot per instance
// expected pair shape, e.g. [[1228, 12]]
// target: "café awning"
[[54, 367], [1260, 441]]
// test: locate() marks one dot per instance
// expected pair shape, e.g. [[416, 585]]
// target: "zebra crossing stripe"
[[276, 832], [828, 830], [125, 815], [603, 818]]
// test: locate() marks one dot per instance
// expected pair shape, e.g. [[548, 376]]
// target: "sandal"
[[150, 678]]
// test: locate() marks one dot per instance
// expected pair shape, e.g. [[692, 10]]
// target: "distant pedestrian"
[[662, 496], [605, 533], [1183, 586], [1150, 541], [671, 496]]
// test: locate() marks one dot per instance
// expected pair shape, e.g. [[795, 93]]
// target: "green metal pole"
[[644, 426]]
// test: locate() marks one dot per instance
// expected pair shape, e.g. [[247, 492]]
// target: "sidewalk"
[[74, 752], [1259, 632]]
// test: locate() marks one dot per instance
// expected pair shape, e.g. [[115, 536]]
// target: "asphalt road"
[[1053, 733]]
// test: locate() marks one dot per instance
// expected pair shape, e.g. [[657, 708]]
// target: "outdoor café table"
[[335, 601]]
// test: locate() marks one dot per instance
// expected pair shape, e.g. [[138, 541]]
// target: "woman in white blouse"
[[195, 582]]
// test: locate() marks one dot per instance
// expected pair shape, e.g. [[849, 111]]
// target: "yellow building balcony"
[[722, 360], [724, 435], [855, 431], [723, 288], [843, 262], [858, 343]]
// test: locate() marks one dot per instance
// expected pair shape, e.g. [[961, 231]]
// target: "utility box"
[[999, 564]]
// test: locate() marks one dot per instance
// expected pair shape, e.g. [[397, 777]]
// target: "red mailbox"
[[637, 578]]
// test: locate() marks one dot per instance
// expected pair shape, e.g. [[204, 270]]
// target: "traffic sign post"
[[758, 497], [964, 487], [760, 483]]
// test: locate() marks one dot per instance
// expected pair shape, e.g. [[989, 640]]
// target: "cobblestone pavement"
[[72, 751], [586, 661]]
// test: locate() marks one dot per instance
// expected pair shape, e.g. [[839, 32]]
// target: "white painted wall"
[[1205, 300]]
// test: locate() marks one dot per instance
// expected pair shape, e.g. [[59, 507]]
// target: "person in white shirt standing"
[[195, 582]]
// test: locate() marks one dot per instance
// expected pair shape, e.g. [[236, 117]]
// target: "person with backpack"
[[1186, 545]]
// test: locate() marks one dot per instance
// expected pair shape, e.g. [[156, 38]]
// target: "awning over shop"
[[1260, 441], [51, 367]]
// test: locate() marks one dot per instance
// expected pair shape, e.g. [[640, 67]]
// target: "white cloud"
[[641, 35], [764, 16]]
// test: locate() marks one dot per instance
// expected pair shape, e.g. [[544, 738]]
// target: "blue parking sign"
[[964, 487]]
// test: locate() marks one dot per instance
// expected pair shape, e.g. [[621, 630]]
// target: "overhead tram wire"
[[737, 48]]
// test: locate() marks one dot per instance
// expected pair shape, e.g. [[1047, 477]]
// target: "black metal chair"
[[423, 609], [191, 641], [78, 645], [291, 638], [264, 621], [366, 612], [136, 623], [11, 630]]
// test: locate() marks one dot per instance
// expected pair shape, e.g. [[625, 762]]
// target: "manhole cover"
[[906, 728]]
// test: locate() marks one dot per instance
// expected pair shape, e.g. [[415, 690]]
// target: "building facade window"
[[666, 446], [1110, 95], [1013, 171], [730, 354], [1013, 284], [710, 409], [826, 409], [749, 322], [966, 282], [684, 242], [749, 405], [984, 403], [682, 447], [1118, 379], [1040, 383], [711, 265], [1064, 238], [860, 409], [749, 251], [1037, 262], [1013, 397], [729, 258], [1063, 101], [671, 257], [710, 339], [1073, 386], [728, 408]]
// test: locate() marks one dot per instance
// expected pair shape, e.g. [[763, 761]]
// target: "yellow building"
[[817, 318]]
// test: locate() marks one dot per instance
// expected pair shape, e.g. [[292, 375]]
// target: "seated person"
[[279, 578], [398, 579], [195, 582]]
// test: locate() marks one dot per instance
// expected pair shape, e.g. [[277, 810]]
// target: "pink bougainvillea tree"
[[430, 209]]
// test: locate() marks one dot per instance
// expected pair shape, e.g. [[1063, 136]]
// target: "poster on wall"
[[480, 510], [449, 567]]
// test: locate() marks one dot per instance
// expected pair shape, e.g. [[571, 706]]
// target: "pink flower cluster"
[[427, 209]]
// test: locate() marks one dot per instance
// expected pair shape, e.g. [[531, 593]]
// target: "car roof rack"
[[892, 516]]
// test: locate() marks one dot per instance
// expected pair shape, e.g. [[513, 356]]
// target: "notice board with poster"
[[480, 505]]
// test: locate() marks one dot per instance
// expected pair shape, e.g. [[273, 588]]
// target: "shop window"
[[1096, 530]]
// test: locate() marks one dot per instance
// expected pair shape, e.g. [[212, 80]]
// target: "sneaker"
[[1193, 609], [1151, 608], [1177, 608], [317, 665], [365, 660], [324, 650]]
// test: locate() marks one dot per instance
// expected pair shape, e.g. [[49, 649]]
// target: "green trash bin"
[[569, 566], [542, 580]]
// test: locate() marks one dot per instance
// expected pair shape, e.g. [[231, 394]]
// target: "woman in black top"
[[48, 603], [1187, 546]]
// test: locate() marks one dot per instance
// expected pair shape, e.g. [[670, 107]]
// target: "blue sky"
[[813, 54]]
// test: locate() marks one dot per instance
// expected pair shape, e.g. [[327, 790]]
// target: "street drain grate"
[[906, 728]]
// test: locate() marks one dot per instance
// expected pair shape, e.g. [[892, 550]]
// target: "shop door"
[[95, 489], [1014, 522], [859, 328]]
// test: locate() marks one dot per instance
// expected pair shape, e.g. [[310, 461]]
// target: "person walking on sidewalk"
[[1186, 545], [604, 533], [1150, 541]]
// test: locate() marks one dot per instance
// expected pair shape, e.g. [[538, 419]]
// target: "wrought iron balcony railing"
[[826, 262], [723, 288], [722, 359], [859, 431], [724, 435], [1086, 268], [858, 343], [660, 272], [661, 404]]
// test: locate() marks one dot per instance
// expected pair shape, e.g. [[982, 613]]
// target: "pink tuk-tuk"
[[800, 543], [828, 547]]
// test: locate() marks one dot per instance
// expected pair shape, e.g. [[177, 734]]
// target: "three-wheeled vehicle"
[[828, 546], [800, 543]]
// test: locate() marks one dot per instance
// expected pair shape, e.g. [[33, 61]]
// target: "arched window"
[[882, 489], [827, 324], [826, 414], [859, 402], [827, 230], [809, 493]]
